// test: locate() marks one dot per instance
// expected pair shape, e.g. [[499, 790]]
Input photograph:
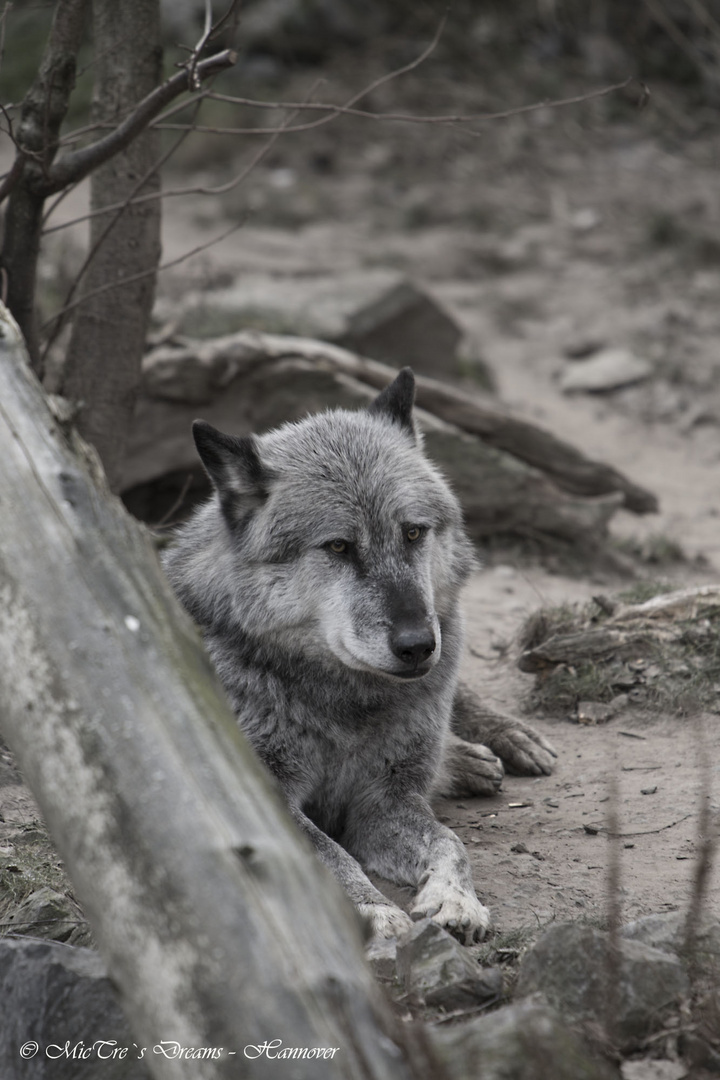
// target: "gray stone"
[[436, 969], [381, 954], [666, 931], [49, 914], [609, 369], [572, 968], [523, 1041], [56, 997], [377, 313], [653, 1069]]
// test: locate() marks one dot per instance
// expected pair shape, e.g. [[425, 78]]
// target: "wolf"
[[325, 573]]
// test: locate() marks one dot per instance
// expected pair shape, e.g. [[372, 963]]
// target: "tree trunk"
[[218, 926], [102, 367], [43, 111]]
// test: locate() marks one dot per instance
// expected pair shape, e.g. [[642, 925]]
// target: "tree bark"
[[102, 366], [218, 926], [43, 111]]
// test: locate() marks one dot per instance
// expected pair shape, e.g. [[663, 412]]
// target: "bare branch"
[[11, 178], [407, 118], [174, 262], [191, 65], [3, 22], [74, 166], [144, 273], [232, 13], [333, 110], [119, 209], [221, 189]]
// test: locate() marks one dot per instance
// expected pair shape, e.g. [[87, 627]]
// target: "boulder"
[[46, 913], [60, 1017], [523, 1041], [610, 369], [438, 971], [571, 965], [377, 313], [666, 931]]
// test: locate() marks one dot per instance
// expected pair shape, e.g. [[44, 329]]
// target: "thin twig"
[[406, 118], [74, 166], [169, 515], [174, 262], [121, 208], [221, 189], [651, 832], [707, 842], [339, 109], [192, 64], [614, 910], [3, 21], [143, 273]]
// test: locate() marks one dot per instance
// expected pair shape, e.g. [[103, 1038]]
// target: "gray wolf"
[[325, 573]]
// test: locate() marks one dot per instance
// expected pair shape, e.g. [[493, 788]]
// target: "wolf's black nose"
[[413, 644]]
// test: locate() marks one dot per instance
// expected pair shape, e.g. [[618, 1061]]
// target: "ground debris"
[[595, 660]]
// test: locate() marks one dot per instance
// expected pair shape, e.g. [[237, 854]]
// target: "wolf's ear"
[[233, 465], [396, 400]]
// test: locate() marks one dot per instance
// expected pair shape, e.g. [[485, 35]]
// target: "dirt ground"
[[550, 230]]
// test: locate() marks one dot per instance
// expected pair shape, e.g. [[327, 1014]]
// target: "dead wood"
[[251, 381], [202, 369]]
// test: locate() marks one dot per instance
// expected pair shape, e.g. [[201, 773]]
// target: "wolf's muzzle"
[[413, 643]]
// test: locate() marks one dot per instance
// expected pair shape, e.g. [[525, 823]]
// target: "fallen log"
[[218, 926], [252, 381], [198, 371]]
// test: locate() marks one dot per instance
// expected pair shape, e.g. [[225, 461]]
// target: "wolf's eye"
[[338, 547], [413, 533]]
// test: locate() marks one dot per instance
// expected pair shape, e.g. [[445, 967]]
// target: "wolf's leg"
[[522, 749], [385, 918], [400, 838], [467, 769]]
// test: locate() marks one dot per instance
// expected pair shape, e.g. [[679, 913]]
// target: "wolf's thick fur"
[[325, 573]]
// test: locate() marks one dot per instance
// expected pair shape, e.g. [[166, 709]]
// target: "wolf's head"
[[339, 540]]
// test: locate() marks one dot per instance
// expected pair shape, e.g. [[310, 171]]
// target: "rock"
[[56, 996], [377, 313], [437, 969], [653, 1069], [698, 1051], [381, 954], [666, 931], [609, 369], [523, 1041], [48, 914], [600, 712], [570, 966]]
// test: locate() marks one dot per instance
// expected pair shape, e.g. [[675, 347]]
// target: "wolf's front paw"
[[451, 907], [524, 750], [386, 920], [475, 770], [468, 769]]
